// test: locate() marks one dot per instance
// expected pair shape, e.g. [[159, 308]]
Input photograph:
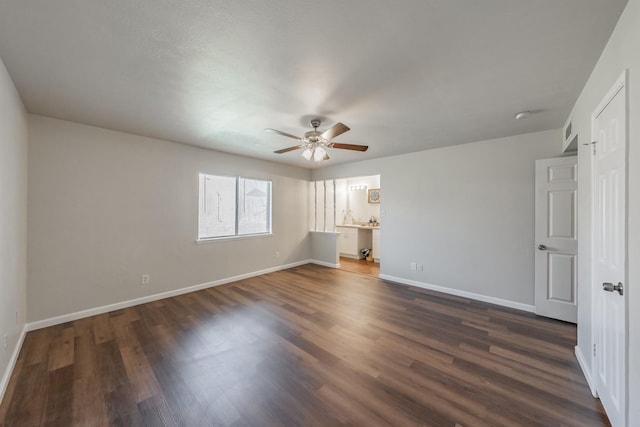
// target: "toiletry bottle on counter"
[[348, 219]]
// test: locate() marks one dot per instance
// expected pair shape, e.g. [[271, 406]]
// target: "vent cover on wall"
[[570, 142]]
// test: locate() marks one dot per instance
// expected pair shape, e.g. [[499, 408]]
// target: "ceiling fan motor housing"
[[313, 136]]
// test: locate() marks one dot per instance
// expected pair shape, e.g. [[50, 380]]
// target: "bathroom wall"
[[355, 200]]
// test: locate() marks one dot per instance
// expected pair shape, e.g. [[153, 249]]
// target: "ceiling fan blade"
[[284, 134], [286, 150], [353, 147], [335, 130]]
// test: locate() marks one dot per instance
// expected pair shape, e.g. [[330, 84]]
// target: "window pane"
[[254, 206], [217, 206]]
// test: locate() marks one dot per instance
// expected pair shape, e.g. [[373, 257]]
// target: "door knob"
[[542, 248], [610, 287]]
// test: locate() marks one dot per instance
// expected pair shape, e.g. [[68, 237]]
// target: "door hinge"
[[594, 350]]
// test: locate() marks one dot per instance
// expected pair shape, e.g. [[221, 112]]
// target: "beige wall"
[[465, 212], [106, 207], [13, 220], [622, 52]]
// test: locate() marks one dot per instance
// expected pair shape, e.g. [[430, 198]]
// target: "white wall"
[[622, 52], [465, 212], [13, 220], [106, 207]]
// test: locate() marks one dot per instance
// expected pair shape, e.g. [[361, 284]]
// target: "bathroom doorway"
[[345, 222], [358, 223]]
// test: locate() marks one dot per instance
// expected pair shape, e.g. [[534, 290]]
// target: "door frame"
[[621, 84]]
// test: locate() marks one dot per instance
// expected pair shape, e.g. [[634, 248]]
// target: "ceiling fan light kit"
[[317, 154], [315, 143], [308, 153]]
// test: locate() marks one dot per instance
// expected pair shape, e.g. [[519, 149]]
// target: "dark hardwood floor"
[[361, 266], [309, 346]]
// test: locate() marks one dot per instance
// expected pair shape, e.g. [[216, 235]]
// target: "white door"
[[556, 238], [609, 252]]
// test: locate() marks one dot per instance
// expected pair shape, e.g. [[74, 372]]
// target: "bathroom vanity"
[[354, 237]]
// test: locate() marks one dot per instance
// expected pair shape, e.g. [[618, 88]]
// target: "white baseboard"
[[464, 294], [4, 383], [350, 256], [324, 264], [155, 297], [586, 371]]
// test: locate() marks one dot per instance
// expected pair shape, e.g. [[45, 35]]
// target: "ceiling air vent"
[[570, 142]]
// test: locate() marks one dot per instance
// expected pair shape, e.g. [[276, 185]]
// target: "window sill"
[[227, 238]]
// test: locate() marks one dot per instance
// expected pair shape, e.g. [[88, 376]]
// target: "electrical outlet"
[[414, 266], [145, 279], [5, 342]]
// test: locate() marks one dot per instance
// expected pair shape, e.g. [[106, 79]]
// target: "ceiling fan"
[[315, 142]]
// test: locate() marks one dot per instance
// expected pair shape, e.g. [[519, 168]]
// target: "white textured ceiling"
[[404, 75]]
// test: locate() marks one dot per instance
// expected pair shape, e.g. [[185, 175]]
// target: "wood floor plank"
[[88, 406], [61, 351], [307, 346]]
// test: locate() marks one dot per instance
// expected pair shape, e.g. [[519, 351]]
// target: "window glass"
[[230, 206], [217, 206], [254, 206]]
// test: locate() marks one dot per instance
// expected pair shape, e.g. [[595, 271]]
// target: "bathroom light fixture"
[[357, 187]]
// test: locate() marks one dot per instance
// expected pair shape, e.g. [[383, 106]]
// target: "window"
[[233, 206]]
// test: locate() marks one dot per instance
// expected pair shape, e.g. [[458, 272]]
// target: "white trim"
[[12, 363], [457, 292], [324, 264], [206, 240], [620, 84], [342, 254], [582, 361], [155, 297]]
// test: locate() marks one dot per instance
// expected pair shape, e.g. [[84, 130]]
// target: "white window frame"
[[236, 235]]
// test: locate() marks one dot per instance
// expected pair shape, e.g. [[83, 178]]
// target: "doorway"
[[349, 210], [358, 224]]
